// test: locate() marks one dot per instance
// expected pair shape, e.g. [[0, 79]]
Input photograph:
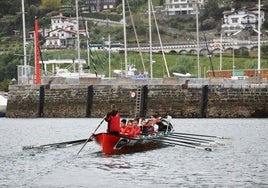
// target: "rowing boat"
[[120, 144]]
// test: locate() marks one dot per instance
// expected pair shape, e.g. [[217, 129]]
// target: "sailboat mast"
[[125, 37], [109, 38], [150, 38], [78, 40], [259, 39], [88, 59], [24, 33]]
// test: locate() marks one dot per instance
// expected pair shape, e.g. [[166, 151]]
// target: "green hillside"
[[172, 29]]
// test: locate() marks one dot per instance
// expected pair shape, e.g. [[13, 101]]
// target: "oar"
[[209, 141], [59, 144], [197, 143], [185, 145], [89, 138], [201, 135], [192, 138]]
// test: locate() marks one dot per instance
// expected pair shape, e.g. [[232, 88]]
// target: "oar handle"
[[99, 125], [91, 136]]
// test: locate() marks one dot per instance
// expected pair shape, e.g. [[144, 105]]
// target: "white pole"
[[221, 51], [259, 39], [88, 60], [125, 37], [233, 58], [24, 33], [109, 38], [78, 41], [197, 39], [150, 38]]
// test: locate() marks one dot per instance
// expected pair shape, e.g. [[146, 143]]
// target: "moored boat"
[[3, 105], [120, 144]]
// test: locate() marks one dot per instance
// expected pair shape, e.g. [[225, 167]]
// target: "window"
[[234, 20]]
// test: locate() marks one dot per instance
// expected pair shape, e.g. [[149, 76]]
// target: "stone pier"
[[92, 98]]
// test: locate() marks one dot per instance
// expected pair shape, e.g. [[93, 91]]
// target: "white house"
[[236, 20], [61, 21], [63, 32], [182, 7]]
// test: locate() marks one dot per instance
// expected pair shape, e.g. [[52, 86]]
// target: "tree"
[[51, 4], [212, 10], [264, 49]]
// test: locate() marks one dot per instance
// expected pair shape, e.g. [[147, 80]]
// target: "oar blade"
[[55, 145], [200, 135], [184, 144]]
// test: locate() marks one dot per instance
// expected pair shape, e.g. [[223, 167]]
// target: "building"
[[100, 5], [237, 20], [63, 33], [182, 7]]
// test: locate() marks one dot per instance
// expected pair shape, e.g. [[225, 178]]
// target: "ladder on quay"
[[138, 102]]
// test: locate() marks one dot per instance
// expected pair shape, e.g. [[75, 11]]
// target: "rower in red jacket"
[[129, 130]]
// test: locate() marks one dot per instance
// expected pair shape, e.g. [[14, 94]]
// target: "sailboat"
[[130, 69], [65, 71]]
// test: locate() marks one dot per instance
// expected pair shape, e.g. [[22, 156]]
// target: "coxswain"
[[113, 120]]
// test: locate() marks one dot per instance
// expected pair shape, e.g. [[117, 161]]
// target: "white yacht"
[[3, 105]]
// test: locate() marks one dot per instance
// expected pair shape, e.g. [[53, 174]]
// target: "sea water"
[[241, 162]]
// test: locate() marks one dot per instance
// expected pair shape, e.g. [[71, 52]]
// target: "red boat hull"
[[117, 144]]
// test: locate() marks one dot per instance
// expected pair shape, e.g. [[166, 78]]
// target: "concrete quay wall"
[[85, 100]]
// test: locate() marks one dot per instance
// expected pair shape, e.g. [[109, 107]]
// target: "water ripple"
[[242, 162]]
